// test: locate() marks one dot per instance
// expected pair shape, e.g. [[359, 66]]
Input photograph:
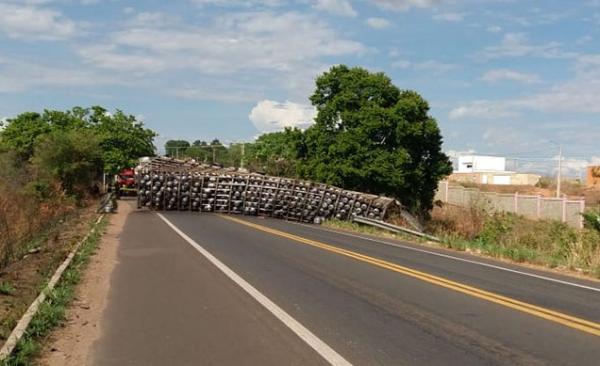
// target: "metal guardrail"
[[394, 228], [108, 203]]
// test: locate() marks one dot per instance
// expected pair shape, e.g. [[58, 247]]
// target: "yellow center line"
[[554, 316]]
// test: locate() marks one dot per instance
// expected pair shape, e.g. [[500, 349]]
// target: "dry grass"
[[505, 235], [451, 220], [546, 188], [22, 216]]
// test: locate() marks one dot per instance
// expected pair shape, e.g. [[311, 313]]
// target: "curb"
[[21, 327]]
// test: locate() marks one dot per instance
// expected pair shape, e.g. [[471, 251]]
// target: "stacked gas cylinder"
[[253, 194]]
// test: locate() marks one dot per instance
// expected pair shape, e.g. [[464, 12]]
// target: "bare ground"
[[71, 344], [28, 274]]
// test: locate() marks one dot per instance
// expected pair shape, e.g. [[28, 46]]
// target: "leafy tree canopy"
[[279, 153], [121, 137], [371, 136], [176, 148], [73, 157]]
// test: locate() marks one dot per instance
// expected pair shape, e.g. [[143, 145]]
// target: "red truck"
[[125, 183]]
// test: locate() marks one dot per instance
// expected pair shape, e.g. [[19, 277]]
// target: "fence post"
[[446, 190], [564, 209], [539, 206], [516, 200], [582, 210]]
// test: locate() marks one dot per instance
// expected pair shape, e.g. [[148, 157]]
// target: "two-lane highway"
[[196, 289]]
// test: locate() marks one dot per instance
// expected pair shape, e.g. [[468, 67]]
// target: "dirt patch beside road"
[[71, 344], [28, 274]]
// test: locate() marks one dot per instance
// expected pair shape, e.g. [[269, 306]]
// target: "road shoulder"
[[71, 344]]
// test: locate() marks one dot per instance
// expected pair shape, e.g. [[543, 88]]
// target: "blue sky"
[[515, 78]]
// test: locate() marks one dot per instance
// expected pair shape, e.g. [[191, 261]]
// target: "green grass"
[[370, 230], [546, 243], [6, 288], [51, 313]]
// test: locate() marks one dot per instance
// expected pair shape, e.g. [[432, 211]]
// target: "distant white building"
[[480, 164], [481, 169]]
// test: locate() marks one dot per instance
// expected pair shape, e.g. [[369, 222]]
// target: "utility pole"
[[243, 153], [214, 155], [558, 175]]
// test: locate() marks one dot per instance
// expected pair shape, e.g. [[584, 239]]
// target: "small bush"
[[592, 220], [6, 288]]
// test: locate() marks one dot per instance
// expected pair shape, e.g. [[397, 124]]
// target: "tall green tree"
[[371, 136], [20, 133], [199, 153], [278, 153], [219, 152], [72, 157], [123, 138], [176, 148]]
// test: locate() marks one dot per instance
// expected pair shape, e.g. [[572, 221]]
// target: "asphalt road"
[[369, 302]]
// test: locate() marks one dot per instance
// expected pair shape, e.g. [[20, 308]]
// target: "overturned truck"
[[167, 184]]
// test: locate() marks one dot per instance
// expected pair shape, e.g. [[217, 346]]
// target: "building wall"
[[476, 163], [501, 178], [593, 176], [534, 207], [525, 179]]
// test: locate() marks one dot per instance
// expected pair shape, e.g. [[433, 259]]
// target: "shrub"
[[592, 220]]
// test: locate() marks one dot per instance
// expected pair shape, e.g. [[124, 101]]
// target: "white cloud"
[[401, 64], [234, 3], [579, 95], [378, 23], [337, 7], [570, 166], [403, 5], [457, 153], [104, 56], [494, 29], [213, 94], [19, 76], [36, 23], [482, 110], [505, 74], [449, 17], [583, 40], [432, 66], [270, 116], [283, 49], [517, 45]]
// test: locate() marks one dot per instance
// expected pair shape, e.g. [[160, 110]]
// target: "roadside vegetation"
[[546, 243], [52, 162], [505, 235], [52, 311]]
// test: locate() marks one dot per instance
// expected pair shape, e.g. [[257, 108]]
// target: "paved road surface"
[[367, 302]]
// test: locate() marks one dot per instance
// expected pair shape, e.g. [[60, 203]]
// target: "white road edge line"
[[306, 335], [460, 259]]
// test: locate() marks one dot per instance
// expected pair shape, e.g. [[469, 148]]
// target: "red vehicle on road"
[[125, 182]]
